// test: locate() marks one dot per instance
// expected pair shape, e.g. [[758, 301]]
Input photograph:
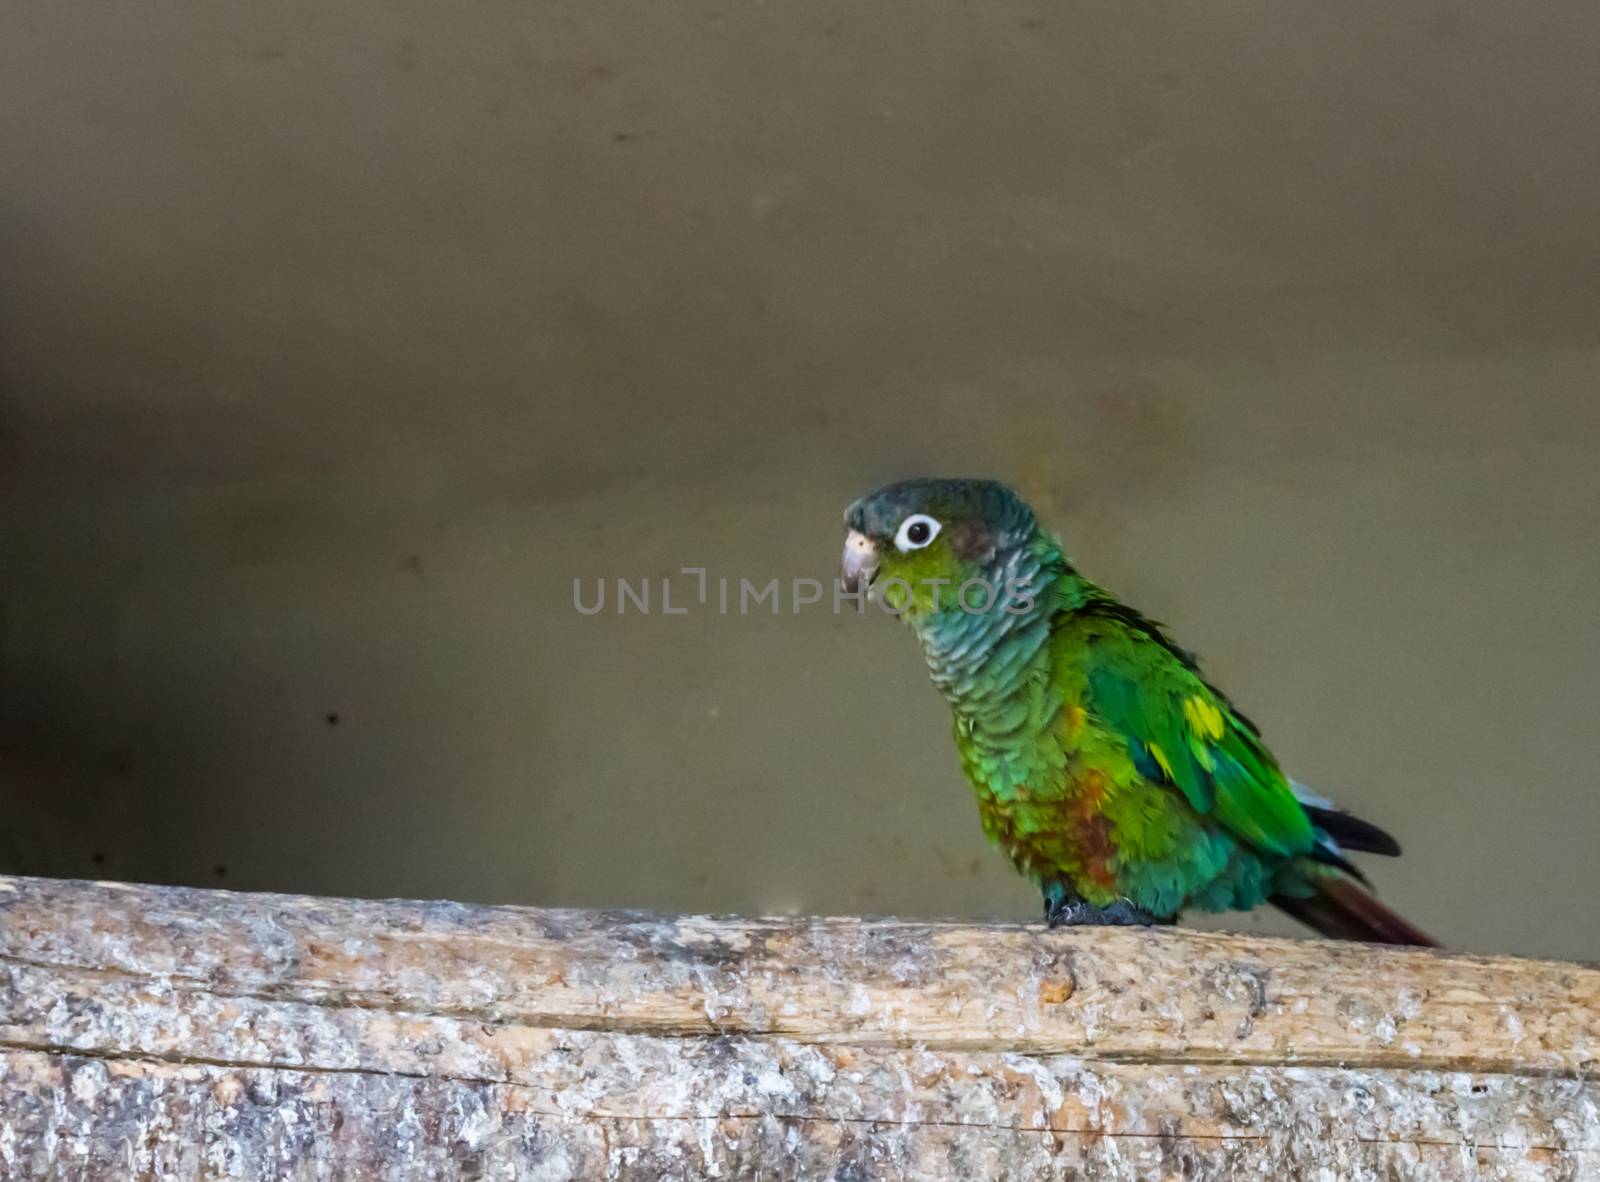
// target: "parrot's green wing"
[[1182, 732]]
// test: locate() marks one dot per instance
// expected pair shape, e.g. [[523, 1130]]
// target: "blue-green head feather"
[[922, 540]]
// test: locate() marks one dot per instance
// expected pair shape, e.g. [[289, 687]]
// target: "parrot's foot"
[[1066, 911]]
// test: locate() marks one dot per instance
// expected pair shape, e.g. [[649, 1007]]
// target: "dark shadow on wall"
[[72, 803]]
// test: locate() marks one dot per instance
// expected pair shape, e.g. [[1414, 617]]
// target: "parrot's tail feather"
[[1329, 855], [1351, 832], [1341, 910]]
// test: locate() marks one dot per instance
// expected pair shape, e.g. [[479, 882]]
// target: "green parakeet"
[[1110, 771]]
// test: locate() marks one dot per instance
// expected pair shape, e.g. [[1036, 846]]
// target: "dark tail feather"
[[1343, 911], [1352, 833]]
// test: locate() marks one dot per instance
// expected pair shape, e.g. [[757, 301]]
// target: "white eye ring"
[[904, 542]]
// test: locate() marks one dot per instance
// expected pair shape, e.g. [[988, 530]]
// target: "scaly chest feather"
[[1050, 798], [1056, 789]]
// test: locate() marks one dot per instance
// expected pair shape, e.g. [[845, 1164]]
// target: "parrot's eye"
[[916, 532]]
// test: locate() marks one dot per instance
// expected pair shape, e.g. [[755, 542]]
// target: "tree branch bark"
[[151, 1032]]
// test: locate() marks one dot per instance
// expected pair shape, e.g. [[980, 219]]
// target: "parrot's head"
[[905, 538]]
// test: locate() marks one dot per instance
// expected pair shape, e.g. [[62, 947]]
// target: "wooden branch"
[[151, 1032]]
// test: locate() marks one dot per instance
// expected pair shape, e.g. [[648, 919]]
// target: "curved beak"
[[860, 561]]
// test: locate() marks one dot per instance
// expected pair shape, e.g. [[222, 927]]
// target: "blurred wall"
[[335, 341]]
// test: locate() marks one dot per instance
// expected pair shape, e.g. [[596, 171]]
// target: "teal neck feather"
[[987, 664]]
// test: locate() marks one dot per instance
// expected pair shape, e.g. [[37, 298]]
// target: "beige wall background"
[[335, 340]]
